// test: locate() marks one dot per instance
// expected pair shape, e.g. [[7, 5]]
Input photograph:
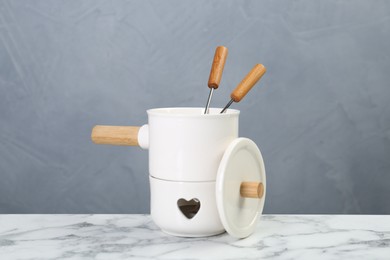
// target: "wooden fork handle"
[[217, 68], [248, 82]]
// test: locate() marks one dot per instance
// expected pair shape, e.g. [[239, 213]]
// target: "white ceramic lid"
[[241, 162]]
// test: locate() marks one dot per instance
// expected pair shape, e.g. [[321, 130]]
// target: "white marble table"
[[137, 237]]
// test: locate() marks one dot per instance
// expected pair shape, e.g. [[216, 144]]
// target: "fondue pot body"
[[185, 150], [186, 145]]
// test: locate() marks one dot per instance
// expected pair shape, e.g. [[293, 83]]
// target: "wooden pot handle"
[[115, 135], [252, 190]]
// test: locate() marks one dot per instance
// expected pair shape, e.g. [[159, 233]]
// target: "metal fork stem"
[[227, 106], [206, 110]]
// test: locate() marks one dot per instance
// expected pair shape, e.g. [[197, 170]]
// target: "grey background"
[[321, 114]]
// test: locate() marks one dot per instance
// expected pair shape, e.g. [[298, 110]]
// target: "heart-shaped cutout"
[[189, 208]]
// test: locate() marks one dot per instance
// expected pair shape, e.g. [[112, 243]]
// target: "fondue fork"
[[220, 55], [246, 84]]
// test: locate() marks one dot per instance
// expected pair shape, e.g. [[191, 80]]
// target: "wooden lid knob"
[[252, 190], [248, 82], [217, 67]]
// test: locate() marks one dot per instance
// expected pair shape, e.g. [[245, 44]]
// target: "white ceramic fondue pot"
[[203, 178]]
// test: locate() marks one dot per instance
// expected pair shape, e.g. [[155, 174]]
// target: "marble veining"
[[137, 237]]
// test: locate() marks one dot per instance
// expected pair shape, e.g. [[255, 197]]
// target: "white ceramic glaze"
[[187, 145], [168, 216], [143, 137], [242, 162]]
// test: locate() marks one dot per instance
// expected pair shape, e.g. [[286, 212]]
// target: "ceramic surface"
[[242, 162], [185, 208], [186, 145]]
